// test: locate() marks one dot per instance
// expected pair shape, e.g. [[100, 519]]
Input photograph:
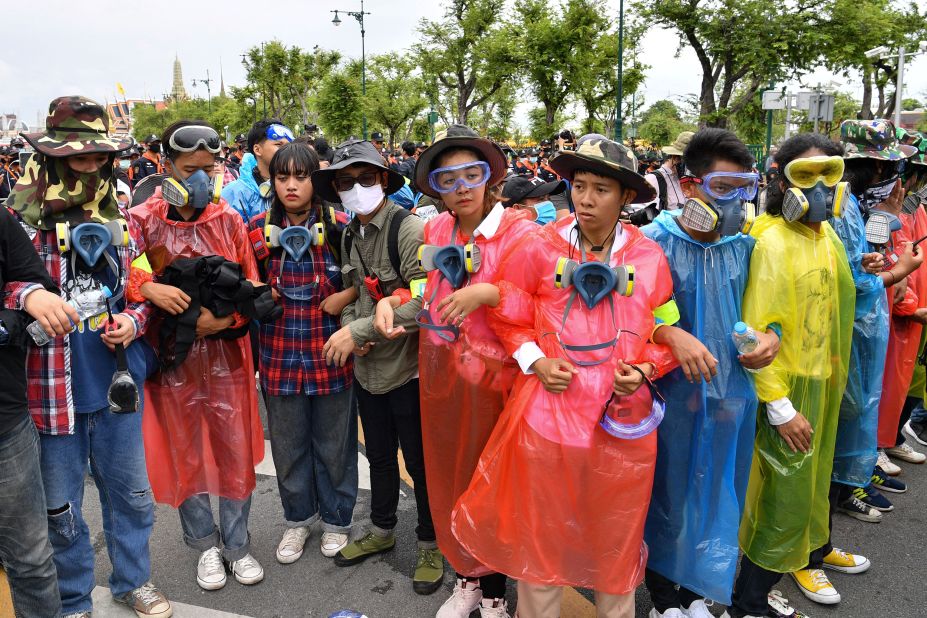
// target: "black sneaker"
[[882, 481], [857, 509], [918, 431], [875, 499]]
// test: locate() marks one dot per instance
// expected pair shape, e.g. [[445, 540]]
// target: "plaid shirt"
[[291, 359], [48, 368]]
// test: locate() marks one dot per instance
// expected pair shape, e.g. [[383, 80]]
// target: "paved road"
[[381, 587]]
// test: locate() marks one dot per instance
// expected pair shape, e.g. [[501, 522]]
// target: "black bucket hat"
[[460, 136], [607, 158], [346, 154]]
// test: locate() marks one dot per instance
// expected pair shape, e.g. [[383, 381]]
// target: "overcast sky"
[[58, 47]]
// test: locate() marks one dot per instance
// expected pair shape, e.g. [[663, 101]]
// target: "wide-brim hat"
[[679, 146], [350, 153], [873, 139], [76, 126], [460, 136], [607, 158], [518, 188]]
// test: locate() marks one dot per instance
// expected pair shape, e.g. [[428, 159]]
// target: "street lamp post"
[[206, 82], [359, 16], [618, 119], [881, 52]]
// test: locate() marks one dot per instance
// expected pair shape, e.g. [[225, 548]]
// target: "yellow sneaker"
[[814, 584], [845, 562]]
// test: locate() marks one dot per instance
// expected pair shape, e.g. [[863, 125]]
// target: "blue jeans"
[[113, 445], [199, 526], [24, 548], [314, 443], [919, 414]]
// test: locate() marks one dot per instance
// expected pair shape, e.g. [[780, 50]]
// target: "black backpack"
[[392, 242]]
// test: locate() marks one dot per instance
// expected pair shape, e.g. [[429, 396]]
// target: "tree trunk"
[[865, 108], [707, 107], [550, 112]]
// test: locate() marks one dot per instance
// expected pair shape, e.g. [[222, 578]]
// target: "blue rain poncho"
[[855, 452], [705, 443]]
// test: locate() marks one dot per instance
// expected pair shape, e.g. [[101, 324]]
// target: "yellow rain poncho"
[[801, 280]]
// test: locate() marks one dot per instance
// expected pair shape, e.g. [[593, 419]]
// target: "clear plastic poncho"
[[463, 383], [855, 450], [201, 425], [705, 443], [904, 336], [555, 499], [801, 280]]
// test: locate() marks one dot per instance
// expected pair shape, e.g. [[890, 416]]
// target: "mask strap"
[[120, 290], [567, 348]]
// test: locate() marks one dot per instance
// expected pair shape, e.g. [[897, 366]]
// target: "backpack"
[[661, 183], [392, 242]]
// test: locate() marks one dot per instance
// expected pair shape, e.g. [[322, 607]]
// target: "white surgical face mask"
[[362, 200]]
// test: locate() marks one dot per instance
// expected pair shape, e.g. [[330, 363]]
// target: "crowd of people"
[[582, 396]]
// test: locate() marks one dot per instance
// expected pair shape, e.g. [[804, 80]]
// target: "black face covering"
[[155, 147]]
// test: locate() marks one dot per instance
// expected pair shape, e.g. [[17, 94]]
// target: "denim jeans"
[[113, 445], [24, 547], [313, 439], [200, 531], [753, 585], [919, 414]]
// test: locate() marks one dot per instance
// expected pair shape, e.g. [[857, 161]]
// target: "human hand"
[[873, 263], [893, 203], [121, 331], [909, 261], [334, 304], [765, 352], [554, 373], [339, 347], [51, 311], [694, 358], [383, 317], [899, 290], [363, 350], [166, 297], [208, 324], [460, 303], [628, 379], [796, 433]]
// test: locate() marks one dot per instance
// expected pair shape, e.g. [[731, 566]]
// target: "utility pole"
[[359, 16], [618, 119]]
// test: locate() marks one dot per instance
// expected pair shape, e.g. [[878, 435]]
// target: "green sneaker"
[[429, 571], [368, 545]]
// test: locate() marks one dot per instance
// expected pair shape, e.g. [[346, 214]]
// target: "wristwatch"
[[4, 334]]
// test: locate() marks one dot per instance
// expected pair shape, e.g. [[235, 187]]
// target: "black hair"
[[710, 145], [258, 132], [324, 150], [567, 135], [790, 150], [408, 148], [168, 132], [293, 158]]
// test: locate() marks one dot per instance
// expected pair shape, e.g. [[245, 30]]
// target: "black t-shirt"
[[18, 262]]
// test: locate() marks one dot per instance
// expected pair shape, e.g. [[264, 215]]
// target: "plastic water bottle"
[[347, 613], [745, 340], [89, 303]]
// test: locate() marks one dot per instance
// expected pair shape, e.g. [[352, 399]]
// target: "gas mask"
[[197, 190], [913, 200], [455, 262], [879, 227], [295, 239], [592, 282], [815, 204], [879, 192], [727, 217], [89, 241]]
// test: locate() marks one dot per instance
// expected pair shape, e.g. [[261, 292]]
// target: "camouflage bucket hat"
[[76, 126], [607, 158], [872, 139]]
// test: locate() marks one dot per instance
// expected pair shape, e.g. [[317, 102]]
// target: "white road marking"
[[105, 607]]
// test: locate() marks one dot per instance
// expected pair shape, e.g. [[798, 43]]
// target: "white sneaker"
[[494, 608], [210, 572], [673, 612], [888, 466], [698, 609], [247, 570], [291, 545], [904, 452], [465, 599], [332, 543]]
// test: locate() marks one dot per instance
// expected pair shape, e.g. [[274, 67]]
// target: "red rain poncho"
[[463, 384], [555, 499], [201, 425], [904, 336]]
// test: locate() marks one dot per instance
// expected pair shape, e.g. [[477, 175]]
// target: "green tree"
[[395, 93], [339, 105], [741, 45], [538, 126], [495, 116], [661, 123], [221, 112], [909, 105], [467, 56]]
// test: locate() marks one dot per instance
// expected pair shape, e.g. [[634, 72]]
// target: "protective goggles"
[[626, 431], [729, 185], [276, 132], [194, 137], [470, 175], [807, 172]]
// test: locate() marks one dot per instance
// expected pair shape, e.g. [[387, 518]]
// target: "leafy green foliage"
[[395, 94]]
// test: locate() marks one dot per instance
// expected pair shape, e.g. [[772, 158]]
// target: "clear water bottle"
[[347, 613], [745, 339], [89, 303]]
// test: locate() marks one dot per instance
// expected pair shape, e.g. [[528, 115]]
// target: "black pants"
[[751, 589], [909, 404], [664, 595], [492, 585], [391, 421]]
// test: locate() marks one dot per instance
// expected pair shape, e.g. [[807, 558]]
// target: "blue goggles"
[[729, 185], [470, 175], [277, 132]]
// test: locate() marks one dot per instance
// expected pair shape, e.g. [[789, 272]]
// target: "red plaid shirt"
[[291, 359], [48, 368]]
